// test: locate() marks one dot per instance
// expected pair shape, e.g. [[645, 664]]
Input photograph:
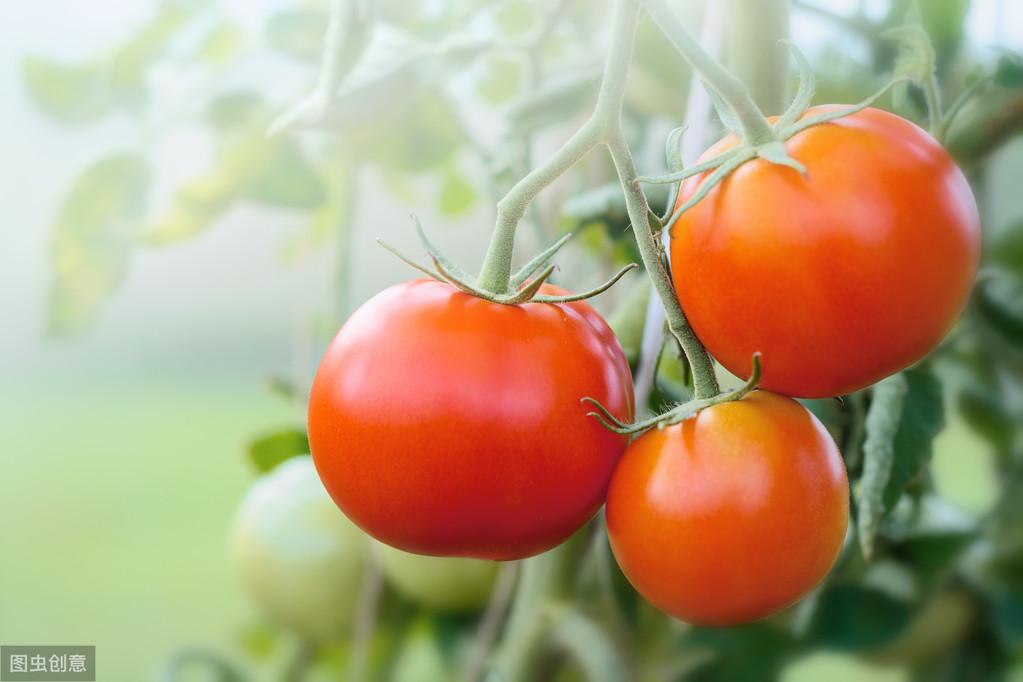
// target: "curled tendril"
[[676, 414]]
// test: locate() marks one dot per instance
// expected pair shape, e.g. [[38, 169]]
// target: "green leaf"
[[854, 618], [93, 239], [552, 102], [923, 418], [515, 17], [298, 33], [235, 109], [882, 424], [998, 302], [282, 176], [1009, 71], [71, 94], [221, 44], [457, 194], [500, 81], [747, 653], [266, 452]]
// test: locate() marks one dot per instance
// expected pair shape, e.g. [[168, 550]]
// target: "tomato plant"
[[445, 424], [839, 276], [447, 584], [297, 556], [731, 515]]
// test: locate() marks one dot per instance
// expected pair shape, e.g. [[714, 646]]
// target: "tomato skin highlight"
[[838, 278], [444, 424], [731, 515]]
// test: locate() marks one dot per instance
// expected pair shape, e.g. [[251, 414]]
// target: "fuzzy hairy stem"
[[755, 128], [756, 54]]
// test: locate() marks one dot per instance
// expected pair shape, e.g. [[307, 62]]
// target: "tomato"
[[732, 514], [444, 424], [838, 278], [439, 583], [298, 557]]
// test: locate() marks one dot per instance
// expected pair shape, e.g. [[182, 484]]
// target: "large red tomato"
[[840, 277], [444, 424], [732, 514]]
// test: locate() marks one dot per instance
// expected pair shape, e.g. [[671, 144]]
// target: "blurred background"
[[170, 274]]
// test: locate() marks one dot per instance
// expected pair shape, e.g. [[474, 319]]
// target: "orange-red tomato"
[[444, 424], [838, 278], [732, 514]]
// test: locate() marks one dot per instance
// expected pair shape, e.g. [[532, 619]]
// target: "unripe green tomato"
[[297, 555], [440, 583]]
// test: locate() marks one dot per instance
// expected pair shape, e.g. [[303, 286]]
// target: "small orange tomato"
[[731, 515], [839, 277]]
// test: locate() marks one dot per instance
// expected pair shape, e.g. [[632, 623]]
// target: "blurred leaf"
[[93, 239], [882, 423], [916, 59], [923, 418], [221, 44], [457, 194], [552, 102], [1007, 612], [69, 93], [629, 316], [268, 451], [999, 302], [515, 17], [1009, 71], [234, 109], [298, 33], [500, 81], [130, 60], [747, 653], [259, 640], [854, 618], [281, 176]]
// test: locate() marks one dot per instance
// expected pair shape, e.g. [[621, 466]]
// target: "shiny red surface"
[[443, 424], [732, 514], [838, 278]]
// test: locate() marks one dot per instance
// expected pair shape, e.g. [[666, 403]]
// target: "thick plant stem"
[[755, 128], [543, 579], [705, 384], [496, 271]]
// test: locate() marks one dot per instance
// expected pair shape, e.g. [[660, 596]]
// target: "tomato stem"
[[755, 128]]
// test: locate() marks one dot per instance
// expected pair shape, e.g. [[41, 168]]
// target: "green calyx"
[[771, 149], [523, 286], [677, 413]]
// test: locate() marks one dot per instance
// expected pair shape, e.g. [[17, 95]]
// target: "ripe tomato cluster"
[[445, 424]]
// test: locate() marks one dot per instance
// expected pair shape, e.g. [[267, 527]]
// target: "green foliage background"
[[168, 260]]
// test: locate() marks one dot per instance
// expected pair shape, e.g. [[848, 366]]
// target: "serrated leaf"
[[71, 94], [923, 418], [266, 452], [93, 239], [882, 424]]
